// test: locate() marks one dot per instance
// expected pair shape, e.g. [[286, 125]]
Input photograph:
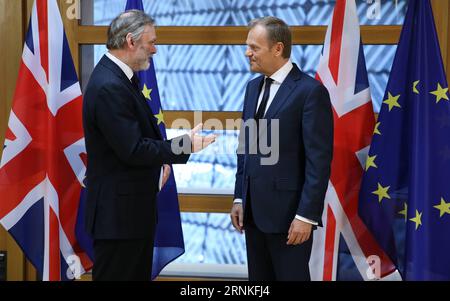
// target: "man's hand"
[[200, 142], [299, 232], [166, 174], [237, 217]]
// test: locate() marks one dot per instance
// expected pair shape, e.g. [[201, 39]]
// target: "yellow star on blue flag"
[[440, 93], [392, 101], [443, 207], [160, 117], [413, 156], [147, 92]]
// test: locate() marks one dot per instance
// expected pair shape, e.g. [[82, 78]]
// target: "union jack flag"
[[44, 158], [342, 249]]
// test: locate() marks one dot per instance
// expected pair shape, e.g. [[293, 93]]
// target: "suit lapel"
[[283, 93], [140, 99], [253, 97]]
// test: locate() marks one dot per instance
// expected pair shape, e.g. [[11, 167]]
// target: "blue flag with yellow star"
[[169, 243], [405, 192]]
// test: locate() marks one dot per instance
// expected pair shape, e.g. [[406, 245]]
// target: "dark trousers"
[[269, 258], [122, 260]]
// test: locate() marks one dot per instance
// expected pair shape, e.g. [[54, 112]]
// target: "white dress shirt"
[[129, 73], [278, 78], [124, 67]]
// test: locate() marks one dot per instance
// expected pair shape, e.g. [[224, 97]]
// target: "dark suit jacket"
[[125, 154], [297, 183]]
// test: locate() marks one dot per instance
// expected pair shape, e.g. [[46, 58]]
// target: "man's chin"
[[254, 69], [144, 67]]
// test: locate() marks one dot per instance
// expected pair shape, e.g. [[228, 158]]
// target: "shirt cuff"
[[303, 219], [161, 174]]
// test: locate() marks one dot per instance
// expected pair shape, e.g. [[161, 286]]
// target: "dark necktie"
[[262, 106], [135, 82]]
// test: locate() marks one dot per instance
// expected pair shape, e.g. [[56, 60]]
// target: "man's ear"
[[130, 41], [279, 47]]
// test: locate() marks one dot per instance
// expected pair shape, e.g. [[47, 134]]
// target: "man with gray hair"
[[279, 205], [127, 156]]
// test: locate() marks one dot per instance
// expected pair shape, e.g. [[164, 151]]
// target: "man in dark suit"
[[279, 204], [127, 156]]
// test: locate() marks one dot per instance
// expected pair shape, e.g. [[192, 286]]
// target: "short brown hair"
[[277, 31]]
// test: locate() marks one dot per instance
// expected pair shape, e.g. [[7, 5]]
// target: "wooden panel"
[[440, 12], [15, 262], [69, 15], [205, 203], [11, 49], [236, 35], [26, 14], [30, 272], [448, 46], [14, 18], [3, 104], [218, 120], [380, 35], [3, 235]]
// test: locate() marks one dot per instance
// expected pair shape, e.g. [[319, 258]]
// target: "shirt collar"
[[124, 67], [280, 75]]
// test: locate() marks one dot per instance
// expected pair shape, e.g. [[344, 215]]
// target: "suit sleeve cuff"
[[303, 219]]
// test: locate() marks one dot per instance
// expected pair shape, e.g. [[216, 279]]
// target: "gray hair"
[[277, 31], [132, 21]]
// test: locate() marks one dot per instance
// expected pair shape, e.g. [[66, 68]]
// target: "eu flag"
[[405, 193], [169, 243]]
